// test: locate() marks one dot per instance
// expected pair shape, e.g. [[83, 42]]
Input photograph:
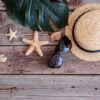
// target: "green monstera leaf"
[[37, 14]]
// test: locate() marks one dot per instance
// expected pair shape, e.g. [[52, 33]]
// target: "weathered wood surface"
[[49, 87], [73, 4], [17, 63], [29, 78]]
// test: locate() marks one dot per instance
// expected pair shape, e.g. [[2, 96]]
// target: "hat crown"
[[87, 30]]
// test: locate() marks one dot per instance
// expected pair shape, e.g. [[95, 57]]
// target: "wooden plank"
[[73, 4], [2, 6], [50, 98], [89, 1], [72, 64], [49, 87], [54, 98], [18, 63]]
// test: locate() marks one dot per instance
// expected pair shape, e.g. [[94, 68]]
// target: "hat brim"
[[68, 32], [84, 55], [80, 53], [80, 11]]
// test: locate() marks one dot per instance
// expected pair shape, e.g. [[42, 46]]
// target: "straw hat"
[[84, 32]]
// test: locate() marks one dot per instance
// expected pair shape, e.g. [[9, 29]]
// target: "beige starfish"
[[11, 34], [35, 45]]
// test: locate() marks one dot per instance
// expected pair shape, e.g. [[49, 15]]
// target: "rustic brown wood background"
[[29, 78]]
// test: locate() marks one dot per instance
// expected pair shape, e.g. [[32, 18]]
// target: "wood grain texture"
[[49, 87], [18, 63], [76, 80], [50, 98], [73, 4]]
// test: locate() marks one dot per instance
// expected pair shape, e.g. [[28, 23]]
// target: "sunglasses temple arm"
[[63, 47]]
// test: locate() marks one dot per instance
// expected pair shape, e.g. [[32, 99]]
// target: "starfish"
[[35, 45], [11, 34]]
